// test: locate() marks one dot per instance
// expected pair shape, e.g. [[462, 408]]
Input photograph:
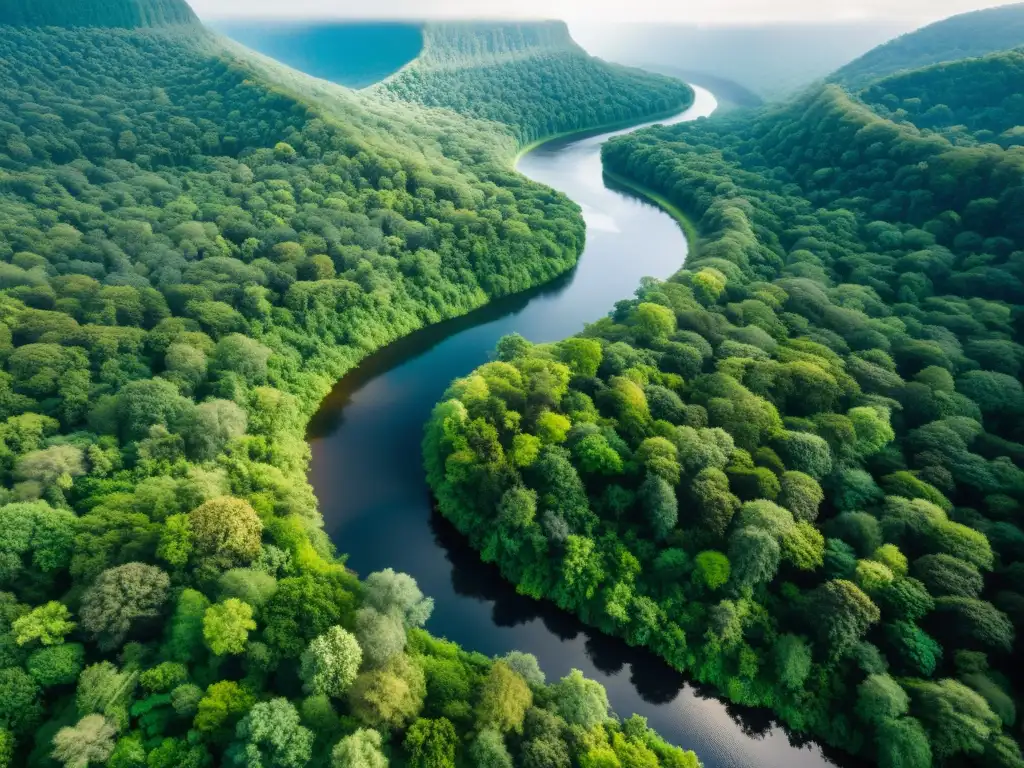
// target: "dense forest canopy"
[[795, 470], [533, 78], [195, 243], [96, 13], [970, 101], [353, 54], [968, 35]]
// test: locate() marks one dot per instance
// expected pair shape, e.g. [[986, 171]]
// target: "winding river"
[[367, 470]]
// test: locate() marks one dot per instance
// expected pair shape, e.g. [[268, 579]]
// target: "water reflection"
[[367, 472]]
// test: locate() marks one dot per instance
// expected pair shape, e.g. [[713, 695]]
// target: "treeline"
[[539, 83], [966, 35], [794, 469], [969, 101], [190, 255], [128, 14]]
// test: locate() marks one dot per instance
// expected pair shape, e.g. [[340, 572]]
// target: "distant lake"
[[353, 54]]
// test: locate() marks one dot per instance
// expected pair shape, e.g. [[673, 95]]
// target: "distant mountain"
[[95, 13], [353, 54], [770, 60], [970, 101], [966, 35]]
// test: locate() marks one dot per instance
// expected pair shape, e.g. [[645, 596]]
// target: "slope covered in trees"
[[129, 14], [969, 101], [194, 245], [532, 77], [968, 35], [794, 470]]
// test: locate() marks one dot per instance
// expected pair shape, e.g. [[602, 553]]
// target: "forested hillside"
[[968, 101], [968, 35], [194, 245], [96, 13], [794, 470], [532, 77]]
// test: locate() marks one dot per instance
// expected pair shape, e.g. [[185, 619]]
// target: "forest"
[[794, 469], [967, 35], [533, 78], [195, 243], [969, 101]]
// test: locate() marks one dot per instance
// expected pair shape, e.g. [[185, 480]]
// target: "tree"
[[840, 614], [958, 720], [754, 556], [240, 355], [211, 426], [228, 529], [226, 626], [56, 665], [361, 749], [947, 576], [715, 504], [431, 743], [381, 636], [396, 594], [880, 698], [801, 495], [20, 707], [222, 706], [525, 665], [48, 624], [388, 697], [489, 751], [792, 661], [331, 662], [659, 502], [580, 701], [121, 599], [903, 743], [90, 741], [963, 622], [712, 569], [504, 699], [271, 736]]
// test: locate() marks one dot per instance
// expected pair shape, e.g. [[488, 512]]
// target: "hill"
[[356, 54], [971, 100], [531, 77], [795, 470], [770, 60], [96, 13], [195, 242], [964, 36]]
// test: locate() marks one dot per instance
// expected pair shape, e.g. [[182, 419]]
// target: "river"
[[367, 470]]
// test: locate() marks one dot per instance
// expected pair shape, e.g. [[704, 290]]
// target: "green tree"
[[331, 662], [361, 749], [226, 626], [90, 741], [121, 599], [504, 699], [431, 743], [272, 736], [580, 701], [48, 624]]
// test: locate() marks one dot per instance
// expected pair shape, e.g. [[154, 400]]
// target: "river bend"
[[367, 469]]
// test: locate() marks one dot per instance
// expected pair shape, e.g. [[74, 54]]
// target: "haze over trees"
[[793, 470], [966, 35], [194, 244]]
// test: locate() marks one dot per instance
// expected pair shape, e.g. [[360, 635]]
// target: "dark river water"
[[367, 471]]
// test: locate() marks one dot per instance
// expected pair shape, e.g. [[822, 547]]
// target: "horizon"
[[730, 13]]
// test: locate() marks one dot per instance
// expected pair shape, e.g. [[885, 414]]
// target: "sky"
[[696, 11]]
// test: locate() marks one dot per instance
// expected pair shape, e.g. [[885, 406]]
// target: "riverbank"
[[685, 222]]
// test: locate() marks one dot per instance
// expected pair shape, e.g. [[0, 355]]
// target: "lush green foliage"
[[531, 77], [968, 35], [968, 101], [194, 245], [96, 13], [794, 469]]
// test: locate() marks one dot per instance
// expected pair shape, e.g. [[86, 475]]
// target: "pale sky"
[[696, 11]]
